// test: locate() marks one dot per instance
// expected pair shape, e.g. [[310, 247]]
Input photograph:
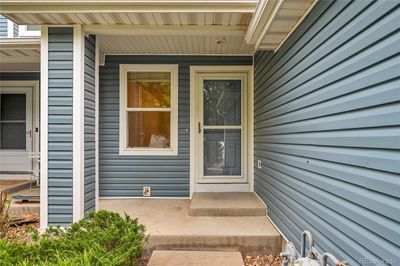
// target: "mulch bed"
[[144, 260], [265, 260], [21, 225]]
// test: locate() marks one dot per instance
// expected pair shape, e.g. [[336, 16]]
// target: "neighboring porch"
[[222, 228]]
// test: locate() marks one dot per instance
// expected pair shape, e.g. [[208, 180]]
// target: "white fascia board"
[[261, 21], [76, 6], [20, 43]]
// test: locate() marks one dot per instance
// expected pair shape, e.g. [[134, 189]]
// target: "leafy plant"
[[104, 238]]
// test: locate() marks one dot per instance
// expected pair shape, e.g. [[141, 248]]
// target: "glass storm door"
[[15, 129], [222, 128]]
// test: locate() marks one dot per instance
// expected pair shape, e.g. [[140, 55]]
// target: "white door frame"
[[194, 154], [34, 85], [243, 127]]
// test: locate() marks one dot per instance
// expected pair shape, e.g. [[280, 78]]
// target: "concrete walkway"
[[172, 228], [195, 258]]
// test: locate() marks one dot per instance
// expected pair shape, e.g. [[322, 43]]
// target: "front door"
[[222, 128], [15, 129]]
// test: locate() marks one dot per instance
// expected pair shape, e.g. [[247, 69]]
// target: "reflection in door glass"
[[222, 152], [12, 121], [222, 102]]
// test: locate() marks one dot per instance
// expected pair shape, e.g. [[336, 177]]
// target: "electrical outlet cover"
[[146, 191]]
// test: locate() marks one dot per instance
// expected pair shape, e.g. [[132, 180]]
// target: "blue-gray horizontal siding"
[[327, 129], [166, 175], [89, 113], [3, 26], [15, 30], [60, 45]]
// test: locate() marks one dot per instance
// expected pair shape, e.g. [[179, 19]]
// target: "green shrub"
[[104, 238]]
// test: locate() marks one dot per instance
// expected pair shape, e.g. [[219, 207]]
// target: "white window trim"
[[123, 136], [24, 32]]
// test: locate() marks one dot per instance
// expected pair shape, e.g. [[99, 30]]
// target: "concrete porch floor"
[[172, 228], [17, 207]]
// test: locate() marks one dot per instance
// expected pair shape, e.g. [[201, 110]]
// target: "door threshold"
[[244, 187]]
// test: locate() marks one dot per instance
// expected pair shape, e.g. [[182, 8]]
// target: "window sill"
[[148, 152]]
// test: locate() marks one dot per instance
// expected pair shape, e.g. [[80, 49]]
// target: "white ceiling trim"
[[165, 30], [19, 43]]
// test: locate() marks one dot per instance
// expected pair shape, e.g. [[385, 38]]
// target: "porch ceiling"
[[170, 26], [19, 54], [192, 43]]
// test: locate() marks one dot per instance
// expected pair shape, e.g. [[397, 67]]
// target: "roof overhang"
[[19, 54], [184, 26], [274, 20], [106, 6]]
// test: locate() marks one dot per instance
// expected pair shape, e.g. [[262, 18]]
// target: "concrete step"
[[226, 204], [172, 228], [17, 207], [195, 258]]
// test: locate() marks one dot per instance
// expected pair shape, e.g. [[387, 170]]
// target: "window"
[[149, 109]]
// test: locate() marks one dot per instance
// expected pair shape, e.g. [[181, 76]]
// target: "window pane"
[[13, 135], [13, 107], [222, 152], [149, 129], [222, 102], [149, 89]]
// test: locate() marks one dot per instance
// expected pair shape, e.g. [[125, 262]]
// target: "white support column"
[[97, 56], [78, 142], [43, 127]]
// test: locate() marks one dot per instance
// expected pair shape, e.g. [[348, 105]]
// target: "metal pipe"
[[285, 261], [326, 256], [306, 234]]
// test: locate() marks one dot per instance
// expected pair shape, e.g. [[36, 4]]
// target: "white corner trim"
[[250, 128], [44, 128], [192, 142], [78, 142], [96, 137], [123, 136], [261, 21]]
